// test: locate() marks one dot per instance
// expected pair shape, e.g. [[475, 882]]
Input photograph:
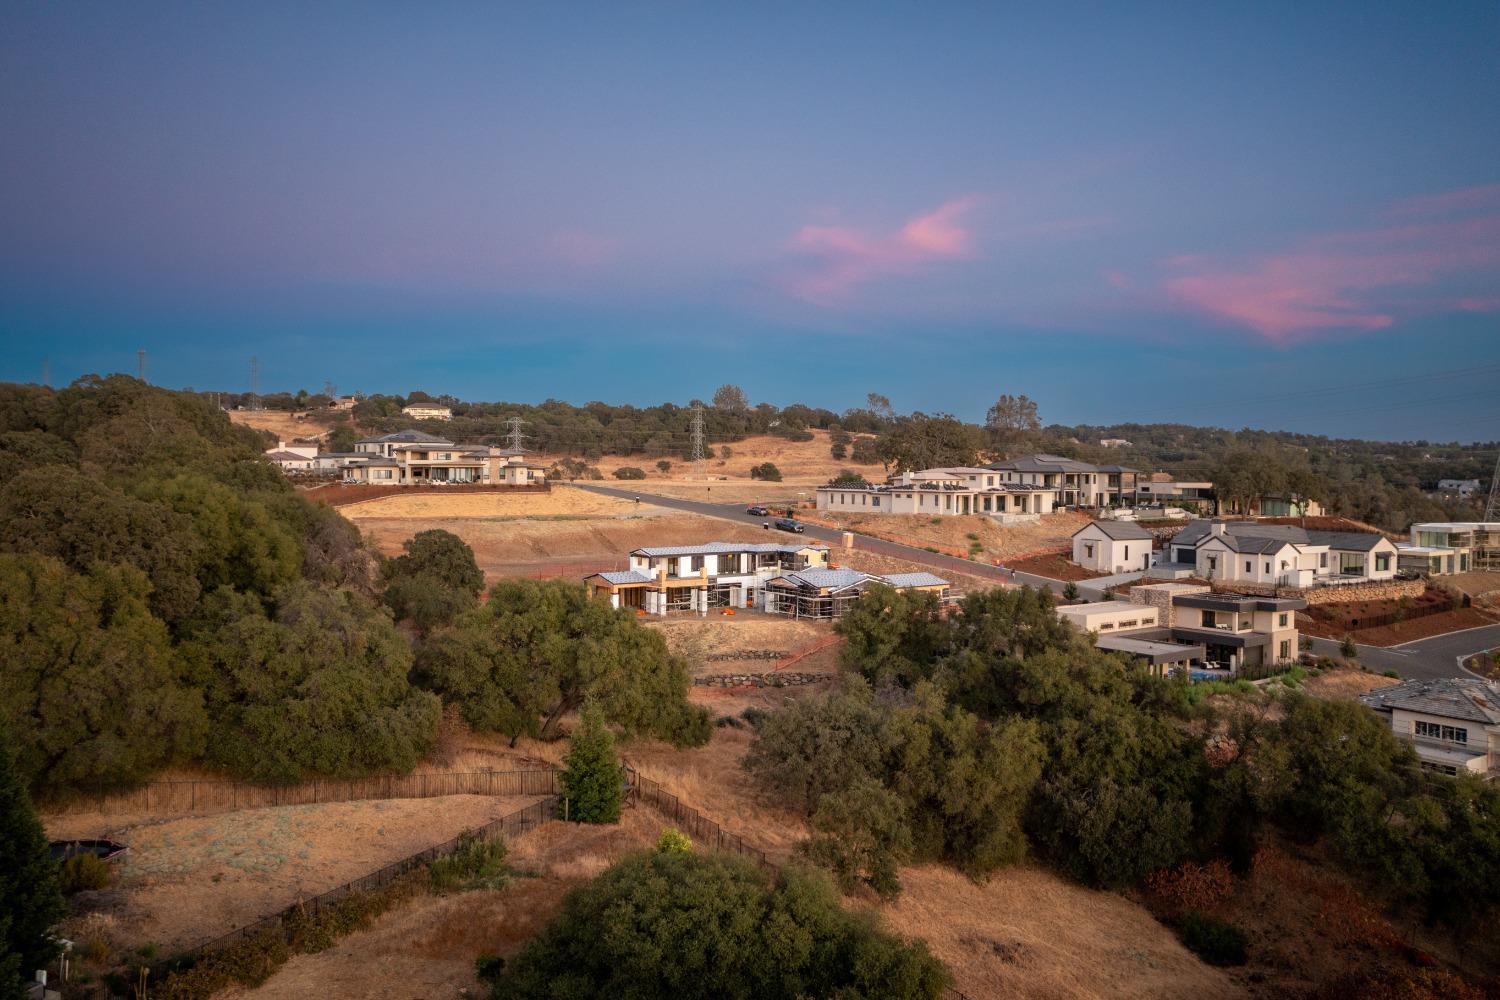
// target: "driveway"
[[863, 543], [1423, 659]]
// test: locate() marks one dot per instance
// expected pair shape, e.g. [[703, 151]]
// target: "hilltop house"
[[792, 579], [1161, 487], [423, 411], [1459, 487], [1113, 546], [1453, 724], [409, 458], [1177, 624], [1281, 555], [1439, 548], [940, 493], [1078, 484]]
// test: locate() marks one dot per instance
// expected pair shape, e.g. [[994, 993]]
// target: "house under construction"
[[822, 594]]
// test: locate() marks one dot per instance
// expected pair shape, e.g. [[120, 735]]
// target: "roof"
[[405, 437], [623, 576], [287, 456], [1200, 528], [1452, 698], [1151, 650], [1120, 531], [1052, 463], [914, 580], [1349, 541], [720, 548], [1238, 602], [828, 579]]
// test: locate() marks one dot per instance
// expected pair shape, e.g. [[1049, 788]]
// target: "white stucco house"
[[1113, 547], [422, 411], [1439, 548], [1453, 724], [1281, 555]]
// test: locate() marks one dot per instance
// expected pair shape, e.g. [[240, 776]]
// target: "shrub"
[[29, 899], [1070, 591], [1390, 673], [673, 841], [1349, 648], [766, 471], [664, 465], [477, 864], [754, 717], [1216, 941], [84, 872], [629, 472], [592, 777]]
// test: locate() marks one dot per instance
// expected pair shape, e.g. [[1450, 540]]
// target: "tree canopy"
[[30, 902]]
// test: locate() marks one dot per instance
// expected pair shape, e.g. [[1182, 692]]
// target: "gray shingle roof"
[[405, 437], [624, 576], [1349, 541], [1120, 531], [833, 579], [1452, 698], [914, 580], [1199, 528]]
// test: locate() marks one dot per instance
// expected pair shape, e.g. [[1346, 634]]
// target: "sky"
[[1281, 215]]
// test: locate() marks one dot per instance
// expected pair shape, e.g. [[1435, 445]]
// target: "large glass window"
[[1437, 731]]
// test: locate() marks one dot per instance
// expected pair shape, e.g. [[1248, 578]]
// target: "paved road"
[[863, 543], [1423, 659]]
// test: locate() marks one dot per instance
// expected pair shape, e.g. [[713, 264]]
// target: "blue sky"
[[1126, 211]]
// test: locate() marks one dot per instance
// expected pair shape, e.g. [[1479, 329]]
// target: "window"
[[1088, 549], [1248, 565], [1322, 560], [1132, 623], [1106, 626], [875, 502], [1268, 567], [1382, 562], [697, 563], [1448, 734], [1286, 649], [1127, 552], [1208, 619], [1448, 769], [1213, 563], [1281, 620]]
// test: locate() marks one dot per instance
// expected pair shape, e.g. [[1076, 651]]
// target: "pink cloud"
[[1358, 280], [847, 258]]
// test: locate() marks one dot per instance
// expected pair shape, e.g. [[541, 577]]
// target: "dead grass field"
[[801, 461], [195, 877], [952, 533], [695, 639], [1408, 631], [1028, 933], [559, 502], [1344, 684], [427, 948], [286, 426]]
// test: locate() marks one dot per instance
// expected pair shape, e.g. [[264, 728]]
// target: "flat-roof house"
[[1113, 546], [1078, 483], [1453, 724], [422, 411], [409, 458], [1442, 547], [383, 444], [698, 577], [1281, 555], [1459, 487]]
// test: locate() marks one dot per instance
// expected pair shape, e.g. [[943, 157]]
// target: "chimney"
[[1219, 528]]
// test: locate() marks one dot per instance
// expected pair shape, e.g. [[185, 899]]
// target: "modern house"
[[1113, 546], [1453, 724], [1439, 548], [412, 458], [940, 493], [1280, 555], [1174, 624], [1161, 487], [1459, 487], [1113, 443], [422, 411], [789, 579], [1078, 484]]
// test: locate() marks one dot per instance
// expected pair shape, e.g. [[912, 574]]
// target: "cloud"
[[1358, 280], [843, 258]]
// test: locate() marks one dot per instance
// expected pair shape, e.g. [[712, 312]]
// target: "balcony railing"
[[1477, 750]]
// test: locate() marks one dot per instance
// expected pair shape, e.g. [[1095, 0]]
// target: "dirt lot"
[[195, 877], [1344, 684], [1028, 933], [1053, 568], [427, 948], [559, 503], [286, 426], [951, 534], [1407, 631]]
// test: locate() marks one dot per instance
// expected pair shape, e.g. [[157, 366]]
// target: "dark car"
[[757, 510], [787, 524]]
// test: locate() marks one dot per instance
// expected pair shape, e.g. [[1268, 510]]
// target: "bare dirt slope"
[[286, 426], [1053, 531]]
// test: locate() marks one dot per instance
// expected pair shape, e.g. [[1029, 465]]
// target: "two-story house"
[[1439, 548], [1079, 484], [698, 577], [1453, 724]]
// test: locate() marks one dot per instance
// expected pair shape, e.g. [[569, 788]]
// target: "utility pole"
[[140, 364], [254, 401], [1492, 507], [697, 458], [515, 438]]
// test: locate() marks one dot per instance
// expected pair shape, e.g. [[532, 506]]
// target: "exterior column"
[[614, 599]]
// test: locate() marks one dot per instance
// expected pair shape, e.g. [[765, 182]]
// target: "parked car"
[[787, 524], [757, 510]]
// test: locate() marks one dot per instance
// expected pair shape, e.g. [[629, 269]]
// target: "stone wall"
[[788, 678], [1383, 590], [1159, 596]]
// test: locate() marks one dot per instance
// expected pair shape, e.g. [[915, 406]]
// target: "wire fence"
[[212, 795], [282, 921], [1397, 617]]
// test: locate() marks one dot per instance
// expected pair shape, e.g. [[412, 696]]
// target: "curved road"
[[1423, 659]]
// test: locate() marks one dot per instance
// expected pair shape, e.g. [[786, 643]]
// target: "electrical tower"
[[515, 438], [254, 402], [1492, 507], [140, 364], [697, 457]]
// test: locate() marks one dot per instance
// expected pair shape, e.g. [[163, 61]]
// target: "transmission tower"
[[140, 364], [515, 437], [697, 457], [1492, 506], [254, 401]]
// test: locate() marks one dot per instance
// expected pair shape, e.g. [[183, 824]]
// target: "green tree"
[[434, 581], [592, 776], [925, 442], [342, 439], [766, 471], [1010, 423], [893, 634], [688, 926], [861, 835], [539, 649], [30, 902], [664, 466], [319, 688], [89, 688], [21, 450], [731, 398], [848, 477]]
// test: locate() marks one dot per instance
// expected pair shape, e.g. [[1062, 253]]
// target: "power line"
[[1492, 506], [697, 458], [516, 437], [254, 400]]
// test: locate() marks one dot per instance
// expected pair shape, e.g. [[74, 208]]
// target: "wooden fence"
[[210, 796]]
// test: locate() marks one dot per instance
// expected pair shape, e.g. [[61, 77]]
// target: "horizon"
[[1279, 219]]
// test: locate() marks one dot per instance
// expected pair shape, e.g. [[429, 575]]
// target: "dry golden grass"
[[1344, 684], [285, 426], [1052, 531], [559, 502], [191, 878], [1028, 933], [694, 639], [802, 461]]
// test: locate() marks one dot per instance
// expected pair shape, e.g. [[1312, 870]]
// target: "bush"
[[691, 925], [673, 841], [477, 864], [1070, 591], [1216, 941], [84, 872], [629, 472], [766, 471], [665, 466], [1349, 648]]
